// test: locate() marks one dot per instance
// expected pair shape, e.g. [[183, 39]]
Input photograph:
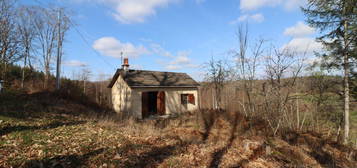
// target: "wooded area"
[[272, 104], [279, 84]]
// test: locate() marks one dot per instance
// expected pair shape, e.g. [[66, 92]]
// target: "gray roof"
[[141, 78]]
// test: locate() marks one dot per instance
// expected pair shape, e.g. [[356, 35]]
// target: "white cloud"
[[135, 11], [313, 60], [247, 5], [200, 1], [299, 30], [255, 4], [173, 67], [110, 46], [136, 66], [258, 17], [173, 61], [293, 4], [74, 63], [181, 59], [303, 44], [158, 49]]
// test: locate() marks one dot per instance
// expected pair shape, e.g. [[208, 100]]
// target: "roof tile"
[[142, 78]]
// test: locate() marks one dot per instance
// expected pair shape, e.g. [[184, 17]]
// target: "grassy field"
[[56, 132]]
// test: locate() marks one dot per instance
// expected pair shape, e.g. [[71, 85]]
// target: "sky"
[[173, 35]]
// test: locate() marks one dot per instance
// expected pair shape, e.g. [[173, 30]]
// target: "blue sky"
[[173, 35]]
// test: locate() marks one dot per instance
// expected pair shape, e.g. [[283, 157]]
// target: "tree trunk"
[[84, 87], [96, 93], [23, 69], [347, 99], [4, 74], [346, 84], [213, 100], [3, 68], [47, 75], [338, 134], [45, 83], [297, 114]]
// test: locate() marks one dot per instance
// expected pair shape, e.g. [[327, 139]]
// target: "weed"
[[27, 138], [172, 162]]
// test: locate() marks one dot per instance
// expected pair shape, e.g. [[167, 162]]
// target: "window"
[[187, 99], [184, 99]]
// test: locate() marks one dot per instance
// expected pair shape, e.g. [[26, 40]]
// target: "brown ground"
[[41, 130]]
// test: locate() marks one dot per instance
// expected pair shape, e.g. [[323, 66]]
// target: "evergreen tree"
[[337, 22]]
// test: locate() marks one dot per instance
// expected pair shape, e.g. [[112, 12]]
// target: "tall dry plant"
[[247, 65], [283, 67], [218, 73]]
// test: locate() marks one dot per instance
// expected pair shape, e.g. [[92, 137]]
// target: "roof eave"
[[164, 86]]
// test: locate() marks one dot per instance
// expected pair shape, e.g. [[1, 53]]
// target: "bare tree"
[[9, 47], [101, 91], [247, 65], [63, 22], [283, 67], [325, 91], [218, 73], [336, 21], [45, 23], [26, 34], [85, 75]]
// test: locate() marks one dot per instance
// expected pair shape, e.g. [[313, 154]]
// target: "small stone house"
[[141, 93]]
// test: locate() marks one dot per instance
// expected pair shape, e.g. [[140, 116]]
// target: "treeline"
[[31, 36], [281, 85], [282, 89], [80, 89], [31, 45]]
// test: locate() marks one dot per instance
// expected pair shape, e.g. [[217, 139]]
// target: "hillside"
[[47, 130]]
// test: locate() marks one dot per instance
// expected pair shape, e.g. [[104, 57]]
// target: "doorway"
[[153, 103]]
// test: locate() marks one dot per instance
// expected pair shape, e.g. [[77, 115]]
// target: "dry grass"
[[205, 138]]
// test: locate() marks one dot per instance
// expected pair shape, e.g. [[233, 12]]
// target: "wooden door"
[[144, 104], [161, 103]]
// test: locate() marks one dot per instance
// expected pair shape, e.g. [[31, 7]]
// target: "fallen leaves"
[[70, 142]]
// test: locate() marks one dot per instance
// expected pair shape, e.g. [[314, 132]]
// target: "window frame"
[[187, 98]]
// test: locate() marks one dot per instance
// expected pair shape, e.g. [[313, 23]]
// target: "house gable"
[[121, 95]]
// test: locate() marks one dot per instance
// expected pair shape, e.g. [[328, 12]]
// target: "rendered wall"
[[121, 96], [172, 100]]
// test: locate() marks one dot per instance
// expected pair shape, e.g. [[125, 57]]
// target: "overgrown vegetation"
[[278, 85], [57, 132], [260, 111], [337, 24]]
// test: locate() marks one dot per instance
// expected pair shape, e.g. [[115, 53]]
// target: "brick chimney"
[[125, 65]]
